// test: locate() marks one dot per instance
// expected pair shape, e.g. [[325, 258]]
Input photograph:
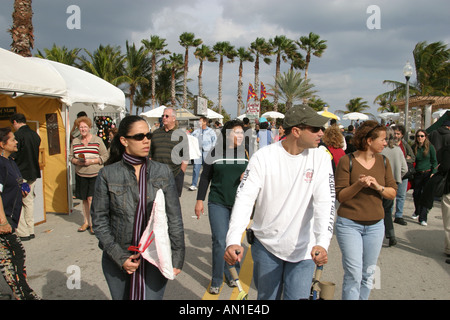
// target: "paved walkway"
[[64, 264]]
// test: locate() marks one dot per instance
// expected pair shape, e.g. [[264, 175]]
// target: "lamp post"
[[407, 72]]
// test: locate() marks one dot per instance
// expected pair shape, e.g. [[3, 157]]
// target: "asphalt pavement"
[[63, 264]]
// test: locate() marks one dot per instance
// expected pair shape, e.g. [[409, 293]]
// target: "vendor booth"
[[45, 91]]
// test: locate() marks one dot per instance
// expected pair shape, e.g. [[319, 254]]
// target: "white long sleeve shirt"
[[294, 196]]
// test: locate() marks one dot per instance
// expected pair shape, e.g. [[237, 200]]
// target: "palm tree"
[[260, 47], [169, 83], [244, 55], [291, 87], [296, 59], [175, 64], [282, 46], [223, 49], [155, 47], [60, 54], [317, 104], [106, 62], [355, 105], [22, 28], [312, 45], [187, 39], [137, 68], [432, 67], [386, 105], [203, 53]]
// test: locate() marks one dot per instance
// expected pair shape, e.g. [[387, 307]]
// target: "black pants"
[[179, 181], [420, 180], [12, 257], [388, 205]]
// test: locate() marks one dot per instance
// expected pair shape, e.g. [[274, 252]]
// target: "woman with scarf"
[[12, 253], [124, 193]]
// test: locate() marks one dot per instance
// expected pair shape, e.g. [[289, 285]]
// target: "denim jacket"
[[206, 138], [114, 207]]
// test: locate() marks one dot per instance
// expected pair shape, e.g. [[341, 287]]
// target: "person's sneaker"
[[214, 290], [414, 216], [400, 221], [192, 188], [423, 223]]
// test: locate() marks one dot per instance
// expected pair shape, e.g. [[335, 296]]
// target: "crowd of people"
[[297, 185]]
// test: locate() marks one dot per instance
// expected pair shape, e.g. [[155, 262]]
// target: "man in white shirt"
[[292, 183]]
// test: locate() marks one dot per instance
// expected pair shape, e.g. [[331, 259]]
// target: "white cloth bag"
[[154, 244]]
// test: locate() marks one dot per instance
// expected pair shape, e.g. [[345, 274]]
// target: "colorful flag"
[[251, 92], [263, 92]]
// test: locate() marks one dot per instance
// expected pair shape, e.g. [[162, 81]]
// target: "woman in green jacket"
[[426, 166]]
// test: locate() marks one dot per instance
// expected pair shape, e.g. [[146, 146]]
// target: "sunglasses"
[[140, 136], [420, 136], [166, 116], [312, 129]]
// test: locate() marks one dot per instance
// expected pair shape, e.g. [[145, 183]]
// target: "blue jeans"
[[275, 277], [197, 166], [360, 246], [400, 198], [219, 219], [119, 281]]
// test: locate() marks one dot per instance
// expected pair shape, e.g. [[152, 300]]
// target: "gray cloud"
[[354, 65]]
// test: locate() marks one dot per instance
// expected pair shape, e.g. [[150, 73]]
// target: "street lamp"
[[407, 72]]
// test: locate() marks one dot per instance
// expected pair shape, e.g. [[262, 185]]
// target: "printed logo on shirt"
[[308, 175]]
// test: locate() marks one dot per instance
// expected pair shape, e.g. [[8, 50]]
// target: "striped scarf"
[[137, 287]]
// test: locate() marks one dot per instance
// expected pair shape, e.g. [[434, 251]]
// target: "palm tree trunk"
[[22, 28], [172, 89], [200, 84], [239, 93], [153, 81], [220, 83], [277, 73], [186, 61]]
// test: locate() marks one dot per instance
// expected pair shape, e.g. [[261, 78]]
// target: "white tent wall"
[[42, 87]]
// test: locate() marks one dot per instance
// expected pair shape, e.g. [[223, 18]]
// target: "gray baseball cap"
[[303, 114]]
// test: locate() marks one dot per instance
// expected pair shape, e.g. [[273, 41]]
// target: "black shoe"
[[400, 221], [25, 238], [392, 242], [447, 261], [32, 236]]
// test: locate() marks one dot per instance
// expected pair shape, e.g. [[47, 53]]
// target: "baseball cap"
[[303, 114], [262, 119]]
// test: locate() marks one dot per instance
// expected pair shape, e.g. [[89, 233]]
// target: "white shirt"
[[294, 202]]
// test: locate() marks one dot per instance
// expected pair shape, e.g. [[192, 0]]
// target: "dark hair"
[[399, 127], [4, 132], [116, 148], [368, 129], [228, 126], [81, 114], [350, 128], [19, 118], [246, 120]]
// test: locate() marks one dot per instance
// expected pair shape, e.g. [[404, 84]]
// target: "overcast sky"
[[355, 63]]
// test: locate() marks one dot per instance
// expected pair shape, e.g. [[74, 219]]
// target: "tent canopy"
[[41, 77], [20, 75], [84, 87]]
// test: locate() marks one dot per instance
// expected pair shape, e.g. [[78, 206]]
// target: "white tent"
[[211, 114], [84, 87], [22, 76], [355, 116], [45, 91]]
